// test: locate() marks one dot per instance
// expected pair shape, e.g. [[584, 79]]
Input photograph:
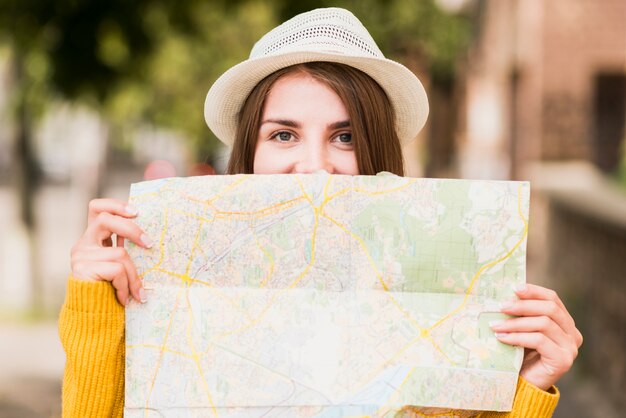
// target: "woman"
[[316, 94]]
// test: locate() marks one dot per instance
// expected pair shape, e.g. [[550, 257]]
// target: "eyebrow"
[[294, 124]]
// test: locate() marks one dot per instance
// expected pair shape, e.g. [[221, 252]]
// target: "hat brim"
[[227, 95]]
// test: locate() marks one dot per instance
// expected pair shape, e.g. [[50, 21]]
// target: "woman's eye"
[[283, 136], [344, 138]]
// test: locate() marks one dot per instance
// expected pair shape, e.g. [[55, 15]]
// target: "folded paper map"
[[323, 295]]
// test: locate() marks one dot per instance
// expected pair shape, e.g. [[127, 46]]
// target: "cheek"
[[347, 163], [268, 160]]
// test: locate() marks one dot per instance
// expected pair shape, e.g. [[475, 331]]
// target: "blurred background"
[[96, 95]]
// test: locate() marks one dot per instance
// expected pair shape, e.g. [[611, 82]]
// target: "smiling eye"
[[282, 136], [345, 138]]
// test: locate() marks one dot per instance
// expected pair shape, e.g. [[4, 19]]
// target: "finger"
[[109, 271], [120, 283], [532, 340], [113, 206], [110, 254], [531, 291], [535, 307], [555, 359], [105, 225], [541, 324]]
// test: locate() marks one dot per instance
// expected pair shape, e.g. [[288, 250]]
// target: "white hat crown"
[[330, 30]]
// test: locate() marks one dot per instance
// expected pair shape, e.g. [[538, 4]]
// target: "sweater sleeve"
[[530, 402], [91, 327]]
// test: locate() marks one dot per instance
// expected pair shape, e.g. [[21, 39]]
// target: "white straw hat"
[[332, 35]]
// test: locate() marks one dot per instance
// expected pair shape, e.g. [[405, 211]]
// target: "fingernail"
[[520, 287], [502, 334], [130, 209], [128, 301], [495, 324], [147, 242], [506, 306], [142, 296]]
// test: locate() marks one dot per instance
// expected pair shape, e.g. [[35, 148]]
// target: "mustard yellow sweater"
[[91, 326]]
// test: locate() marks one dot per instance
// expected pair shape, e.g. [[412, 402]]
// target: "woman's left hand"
[[547, 332]]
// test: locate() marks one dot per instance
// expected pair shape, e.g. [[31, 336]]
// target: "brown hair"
[[376, 143]]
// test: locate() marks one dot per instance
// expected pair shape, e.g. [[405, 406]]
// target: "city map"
[[323, 295]]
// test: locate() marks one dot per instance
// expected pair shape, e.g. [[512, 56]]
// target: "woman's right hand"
[[95, 258]]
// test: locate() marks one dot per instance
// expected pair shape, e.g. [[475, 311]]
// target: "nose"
[[314, 157]]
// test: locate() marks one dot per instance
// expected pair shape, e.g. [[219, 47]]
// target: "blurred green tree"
[[82, 50], [78, 49]]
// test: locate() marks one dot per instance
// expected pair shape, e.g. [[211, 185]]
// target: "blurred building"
[[544, 81], [543, 98]]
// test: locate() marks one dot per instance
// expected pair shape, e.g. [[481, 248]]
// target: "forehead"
[[300, 91], [297, 79]]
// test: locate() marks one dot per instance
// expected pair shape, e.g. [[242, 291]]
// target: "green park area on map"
[[323, 295]]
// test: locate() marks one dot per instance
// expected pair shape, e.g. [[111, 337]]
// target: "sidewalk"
[[31, 369]]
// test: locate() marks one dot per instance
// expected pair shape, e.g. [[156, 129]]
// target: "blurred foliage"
[[184, 68], [89, 45], [154, 60]]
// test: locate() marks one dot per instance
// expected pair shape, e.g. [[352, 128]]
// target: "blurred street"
[[31, 367]]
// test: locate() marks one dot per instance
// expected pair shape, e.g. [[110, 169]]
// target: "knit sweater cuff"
[[94, 297], [543, 402]]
